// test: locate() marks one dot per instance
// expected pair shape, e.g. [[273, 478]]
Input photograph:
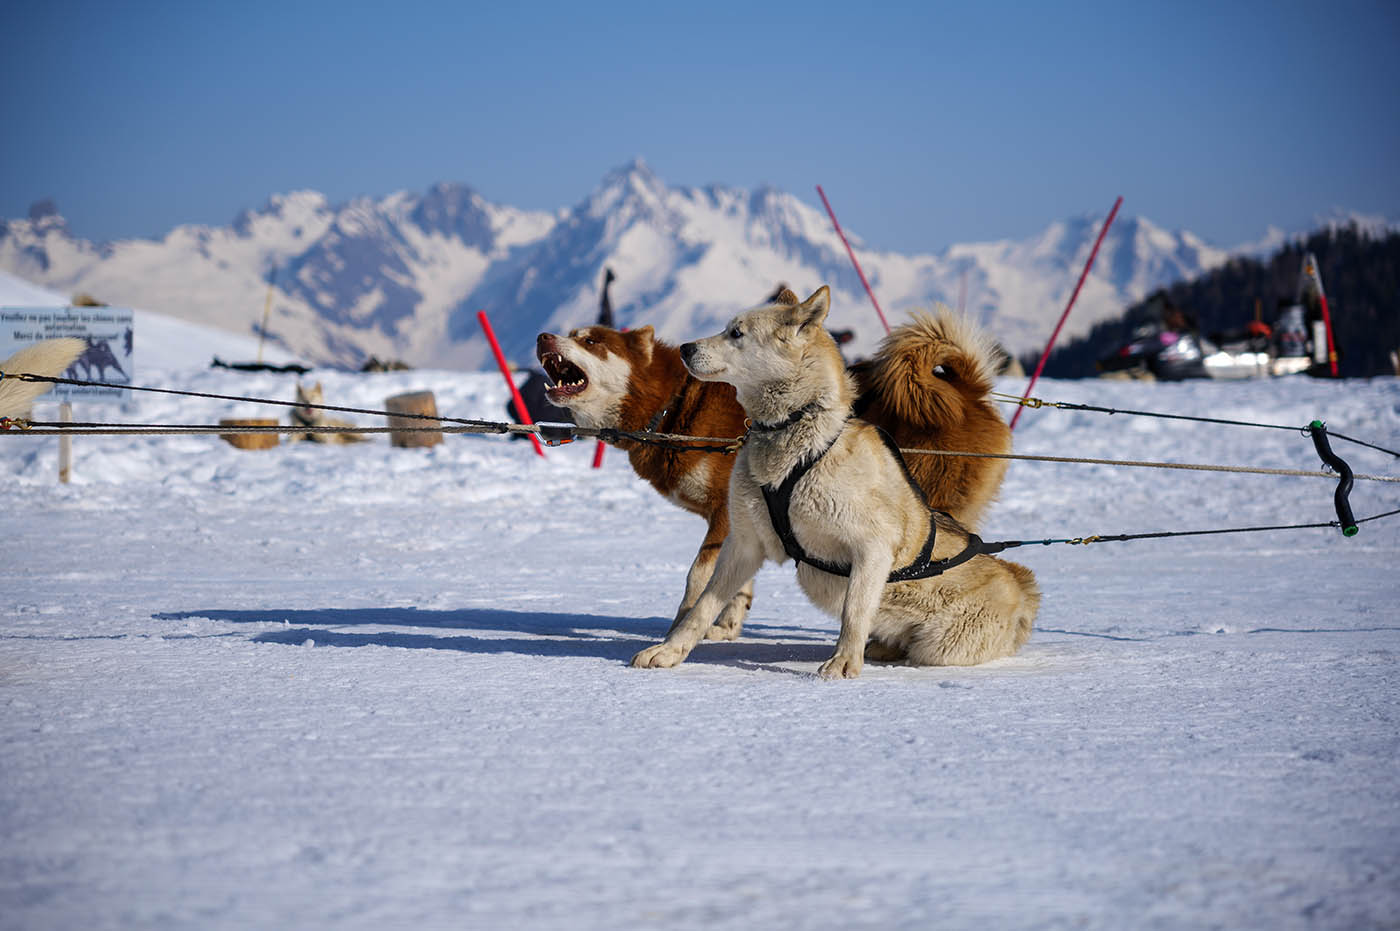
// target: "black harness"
[[924, 566], [659, 416]]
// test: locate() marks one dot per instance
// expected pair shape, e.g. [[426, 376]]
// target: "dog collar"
[[792, 418]]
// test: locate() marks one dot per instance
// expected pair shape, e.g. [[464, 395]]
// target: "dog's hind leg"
[[877, 651], [986, 621]]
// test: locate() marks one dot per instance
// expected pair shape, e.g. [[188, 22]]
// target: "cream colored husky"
[[49, 358], [853, 510], [307, 413]]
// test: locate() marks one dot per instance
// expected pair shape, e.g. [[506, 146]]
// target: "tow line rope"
[[1125, 537], [1068, 406], [25, 376], [560, 434]]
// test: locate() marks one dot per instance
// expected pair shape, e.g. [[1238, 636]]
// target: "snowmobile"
[[1160, 353], [1254, 352]]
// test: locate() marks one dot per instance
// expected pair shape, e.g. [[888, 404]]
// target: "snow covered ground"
[[367, 687]]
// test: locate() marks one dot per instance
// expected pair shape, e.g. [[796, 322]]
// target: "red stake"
[[1314, 277], [520, 407], [1040, 366], [1331, 347], [831, 213]]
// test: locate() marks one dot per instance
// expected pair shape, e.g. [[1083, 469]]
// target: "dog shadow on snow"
[[489, 631]]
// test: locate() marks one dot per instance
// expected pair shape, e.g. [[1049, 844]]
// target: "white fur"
[[599, 404], [50, 358]]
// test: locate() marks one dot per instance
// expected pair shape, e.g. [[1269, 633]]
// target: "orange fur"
[[925, 409]]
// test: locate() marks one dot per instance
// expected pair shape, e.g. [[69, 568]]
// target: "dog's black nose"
[[687, 350]]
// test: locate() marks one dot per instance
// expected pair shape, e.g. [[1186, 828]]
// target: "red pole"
[[1040, 366], [1312, 278], [831, 213], [1331, 347], [520, 407]]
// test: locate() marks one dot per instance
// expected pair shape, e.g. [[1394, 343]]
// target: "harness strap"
[[660, 415], [924, 566]]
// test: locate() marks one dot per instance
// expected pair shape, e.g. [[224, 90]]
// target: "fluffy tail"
[[50, 358], [927, 370], [1024, 619]]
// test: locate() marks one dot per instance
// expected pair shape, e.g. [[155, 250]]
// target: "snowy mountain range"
[[403, 276]]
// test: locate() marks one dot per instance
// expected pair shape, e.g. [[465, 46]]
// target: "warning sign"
[[108, 359]]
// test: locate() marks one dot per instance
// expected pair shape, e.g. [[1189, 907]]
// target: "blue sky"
[[927, 124]]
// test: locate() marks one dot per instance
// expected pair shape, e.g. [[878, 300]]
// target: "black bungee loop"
[[1324, 449]]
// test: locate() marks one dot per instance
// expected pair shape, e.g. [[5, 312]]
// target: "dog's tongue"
[[568, 378]]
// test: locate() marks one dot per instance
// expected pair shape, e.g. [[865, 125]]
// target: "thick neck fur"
[[824, 388], [653, 388]]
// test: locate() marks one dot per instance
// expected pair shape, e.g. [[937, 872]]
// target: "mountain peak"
[[42, 209], [635, 176], [628, 190], [455, 209], [637, 166], [44, 216], [295, 206]]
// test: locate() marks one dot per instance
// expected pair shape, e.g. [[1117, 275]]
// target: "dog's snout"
[[688, 351], [544, 342]]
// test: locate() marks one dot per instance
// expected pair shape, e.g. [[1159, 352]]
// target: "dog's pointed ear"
[[643, 338], [812, 312], [785, 295]]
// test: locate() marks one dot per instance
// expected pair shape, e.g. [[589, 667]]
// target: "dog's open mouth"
[[568, 378]]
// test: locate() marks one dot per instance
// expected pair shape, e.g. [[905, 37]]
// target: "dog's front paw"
[[841, 666], [661, 656]]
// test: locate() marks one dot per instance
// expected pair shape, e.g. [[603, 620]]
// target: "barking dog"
[[816, 484], [629, 381], [927, 386], [50, 358]]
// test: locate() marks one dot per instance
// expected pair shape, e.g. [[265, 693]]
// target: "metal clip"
[[739, 442], [555, 434]]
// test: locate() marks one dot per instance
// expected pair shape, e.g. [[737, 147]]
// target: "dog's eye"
[[940, 371], [589, 341], [736, 331]]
